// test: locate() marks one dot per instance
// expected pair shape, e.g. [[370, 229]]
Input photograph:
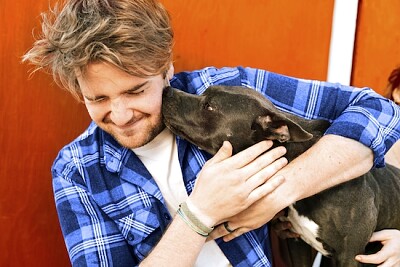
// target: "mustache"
[[134, 119]]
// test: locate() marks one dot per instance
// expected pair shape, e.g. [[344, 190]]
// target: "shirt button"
[[112, 165], [130, 237], [167, 217]]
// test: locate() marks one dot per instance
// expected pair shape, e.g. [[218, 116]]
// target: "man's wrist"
[[205, 219]]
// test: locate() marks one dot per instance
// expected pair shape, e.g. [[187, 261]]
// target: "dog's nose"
[[168, 91]]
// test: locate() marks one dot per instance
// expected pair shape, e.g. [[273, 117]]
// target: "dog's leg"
[[300, 253]]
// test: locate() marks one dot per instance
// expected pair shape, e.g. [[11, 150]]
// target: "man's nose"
[[121, 114]]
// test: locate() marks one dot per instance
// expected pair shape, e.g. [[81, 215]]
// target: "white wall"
[[342, 41]]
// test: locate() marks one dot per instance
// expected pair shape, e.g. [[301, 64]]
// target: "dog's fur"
[[337, 222]]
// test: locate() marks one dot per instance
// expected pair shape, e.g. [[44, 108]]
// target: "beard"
[[139, 136]]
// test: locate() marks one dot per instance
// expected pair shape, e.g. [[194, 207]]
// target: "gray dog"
[[343, 218]]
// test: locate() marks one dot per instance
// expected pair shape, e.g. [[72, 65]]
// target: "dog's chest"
[[307, 229]]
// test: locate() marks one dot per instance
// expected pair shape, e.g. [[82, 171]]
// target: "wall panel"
[[377, 43], [37, 120], [290, 37]]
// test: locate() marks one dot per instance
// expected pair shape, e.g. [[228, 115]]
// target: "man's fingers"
[[389, 255], [233, 172], [373, 258], [219, 231], [266, 173], [249, 154], [238, 232], [223, 153], [266, 188], [380, 236]]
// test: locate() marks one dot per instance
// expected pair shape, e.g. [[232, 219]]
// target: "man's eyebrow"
[[137, 87], [94, 98]]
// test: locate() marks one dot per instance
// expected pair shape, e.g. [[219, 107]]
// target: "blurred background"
[[290, 37]]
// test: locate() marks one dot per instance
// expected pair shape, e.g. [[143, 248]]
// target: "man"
[[119, 185]]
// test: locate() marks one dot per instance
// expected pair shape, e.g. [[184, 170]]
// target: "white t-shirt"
[[160, 157]]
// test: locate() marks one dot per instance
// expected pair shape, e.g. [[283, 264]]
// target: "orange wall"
[[290, 37], [36, 121], [377, 44]]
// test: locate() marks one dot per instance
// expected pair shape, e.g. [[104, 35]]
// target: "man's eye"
[[99, 100], [96, 100], [134, 92]]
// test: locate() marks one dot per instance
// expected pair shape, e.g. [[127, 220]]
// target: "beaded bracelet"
[[192, 221]]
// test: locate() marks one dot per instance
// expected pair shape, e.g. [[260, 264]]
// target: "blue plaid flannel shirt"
[[110, 209]]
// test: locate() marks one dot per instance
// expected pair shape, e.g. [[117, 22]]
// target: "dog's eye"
[[208, 107]]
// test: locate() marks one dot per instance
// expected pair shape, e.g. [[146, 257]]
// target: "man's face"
[[125, 106]]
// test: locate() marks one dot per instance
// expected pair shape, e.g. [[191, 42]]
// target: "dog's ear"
[[280, 128]]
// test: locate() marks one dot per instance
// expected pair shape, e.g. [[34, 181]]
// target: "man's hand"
[[389, 255], [229, 184], [327, 163], [250, 219]]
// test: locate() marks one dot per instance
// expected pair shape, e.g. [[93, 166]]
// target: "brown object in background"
[[392, 90]]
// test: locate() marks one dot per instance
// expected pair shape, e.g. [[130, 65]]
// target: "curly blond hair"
[[134, 35]]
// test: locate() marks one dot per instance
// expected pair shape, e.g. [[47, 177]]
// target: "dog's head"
[[239, 115]]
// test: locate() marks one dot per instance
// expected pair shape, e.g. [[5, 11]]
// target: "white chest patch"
[[307, 228]]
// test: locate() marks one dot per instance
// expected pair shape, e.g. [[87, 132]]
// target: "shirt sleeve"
[[357, 113], [92, 239]]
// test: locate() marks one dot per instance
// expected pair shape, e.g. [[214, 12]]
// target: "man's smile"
[[129, 128]]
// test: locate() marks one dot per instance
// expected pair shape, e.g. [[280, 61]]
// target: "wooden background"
[[377, 44], [37, 118]]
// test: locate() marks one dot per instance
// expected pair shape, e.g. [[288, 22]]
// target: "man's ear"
[[170, 71], [168, 74], [280, 128]]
